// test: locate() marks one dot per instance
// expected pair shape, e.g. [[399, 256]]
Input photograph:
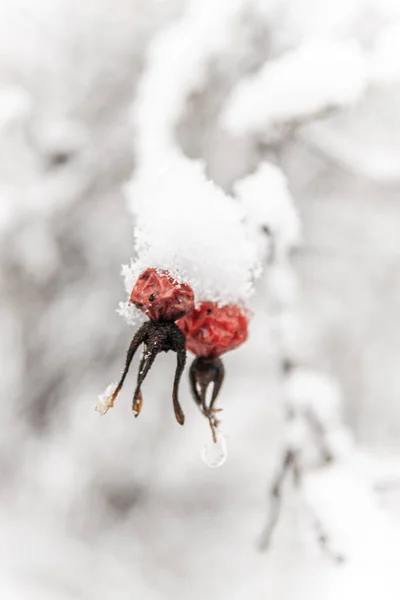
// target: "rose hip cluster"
[[175, 324], [210, 331]]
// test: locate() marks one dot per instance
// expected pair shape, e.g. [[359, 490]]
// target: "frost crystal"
[[104, 399], [130, 313]]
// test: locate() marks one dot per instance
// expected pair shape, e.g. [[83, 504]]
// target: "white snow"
[[385, 60], [319, 76], [268, 203], [307, 389], [177, 63], [357, 527], [114, 508], [188, 226], [103, 403]]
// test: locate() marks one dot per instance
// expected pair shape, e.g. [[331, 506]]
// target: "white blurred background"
[[100, 508]]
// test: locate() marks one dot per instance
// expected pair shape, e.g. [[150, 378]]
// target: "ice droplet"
[[214, 453]]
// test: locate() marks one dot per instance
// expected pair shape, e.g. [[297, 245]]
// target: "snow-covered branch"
[[303, 84], [177, 63]]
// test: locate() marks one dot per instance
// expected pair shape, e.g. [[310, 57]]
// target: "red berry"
[[211, 330], [161, 297]]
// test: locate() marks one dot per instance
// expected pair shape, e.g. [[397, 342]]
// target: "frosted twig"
[[324, 540], [315, 78], [319, 432], [275, 499], [177, 64]]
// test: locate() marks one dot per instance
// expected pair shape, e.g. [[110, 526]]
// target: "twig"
[[275, 496], [320, 436]]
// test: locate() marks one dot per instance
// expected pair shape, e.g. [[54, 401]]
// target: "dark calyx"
[[203, 372], [156, 336]]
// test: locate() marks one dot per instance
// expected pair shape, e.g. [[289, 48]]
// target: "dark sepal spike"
[[137, 340], [157, 336], [180, 366], [162, 336], [203, 372], [146, 363]]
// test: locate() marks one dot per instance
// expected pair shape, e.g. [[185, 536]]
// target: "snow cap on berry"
[[188, 227]]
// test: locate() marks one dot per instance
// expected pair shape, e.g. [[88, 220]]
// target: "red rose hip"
[[161, 297], [163, 300], [211, 330]]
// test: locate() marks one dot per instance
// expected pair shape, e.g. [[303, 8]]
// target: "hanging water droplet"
[[214, 453]]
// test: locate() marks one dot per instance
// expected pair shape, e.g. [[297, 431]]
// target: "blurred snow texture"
[[99, 508]]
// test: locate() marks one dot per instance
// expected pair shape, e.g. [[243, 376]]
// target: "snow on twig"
[[270, 212], [309, 81], [176, 65]]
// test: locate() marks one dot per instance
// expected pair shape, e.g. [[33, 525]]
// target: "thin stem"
[[275, 496]]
